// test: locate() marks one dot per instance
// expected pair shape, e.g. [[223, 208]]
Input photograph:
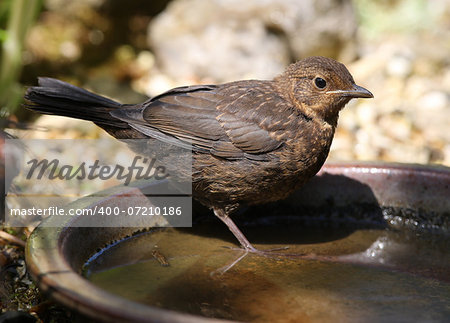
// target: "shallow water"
[[381, 275]]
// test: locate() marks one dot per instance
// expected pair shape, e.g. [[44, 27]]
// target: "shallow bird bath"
[[386, 224]]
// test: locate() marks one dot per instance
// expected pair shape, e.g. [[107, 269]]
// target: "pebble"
[[399, 66], [435, 100]]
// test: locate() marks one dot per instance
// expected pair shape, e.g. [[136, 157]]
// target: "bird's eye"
[[320, 82]]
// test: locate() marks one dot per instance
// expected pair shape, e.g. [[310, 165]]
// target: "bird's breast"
[[305, 153]]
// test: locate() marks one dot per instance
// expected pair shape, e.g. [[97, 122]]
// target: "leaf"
[[3, 35]]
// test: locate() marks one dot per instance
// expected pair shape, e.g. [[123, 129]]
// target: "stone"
[[233, 39]]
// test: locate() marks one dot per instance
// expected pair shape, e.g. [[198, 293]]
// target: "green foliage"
[[402, 16], [4, 9], [16, 17], [3, 35]]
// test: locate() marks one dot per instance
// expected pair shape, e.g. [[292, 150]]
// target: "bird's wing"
[[230, 121]]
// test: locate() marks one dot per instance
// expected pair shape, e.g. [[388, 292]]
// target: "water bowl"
[[376, 237]]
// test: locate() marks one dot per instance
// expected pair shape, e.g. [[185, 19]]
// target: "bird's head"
[[321, 87]]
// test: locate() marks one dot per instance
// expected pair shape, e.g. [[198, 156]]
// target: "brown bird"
[[252, 141]]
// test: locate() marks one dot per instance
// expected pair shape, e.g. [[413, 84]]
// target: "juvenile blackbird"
[[252, 141]]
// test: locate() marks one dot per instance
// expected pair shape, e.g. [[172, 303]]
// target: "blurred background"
[[129, 50]]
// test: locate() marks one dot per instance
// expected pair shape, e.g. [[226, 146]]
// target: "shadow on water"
[[312, 215]]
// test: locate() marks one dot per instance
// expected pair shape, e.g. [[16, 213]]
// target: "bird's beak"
[[356, 92]]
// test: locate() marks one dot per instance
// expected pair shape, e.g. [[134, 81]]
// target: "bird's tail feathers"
[[60, 98]]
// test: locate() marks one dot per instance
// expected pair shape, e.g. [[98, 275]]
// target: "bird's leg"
[[222, 215], [248, 247]]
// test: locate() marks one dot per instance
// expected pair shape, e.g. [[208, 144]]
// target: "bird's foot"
[[247, 247], [270, 253]]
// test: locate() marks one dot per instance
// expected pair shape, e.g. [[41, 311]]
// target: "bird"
[[253, 141]]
